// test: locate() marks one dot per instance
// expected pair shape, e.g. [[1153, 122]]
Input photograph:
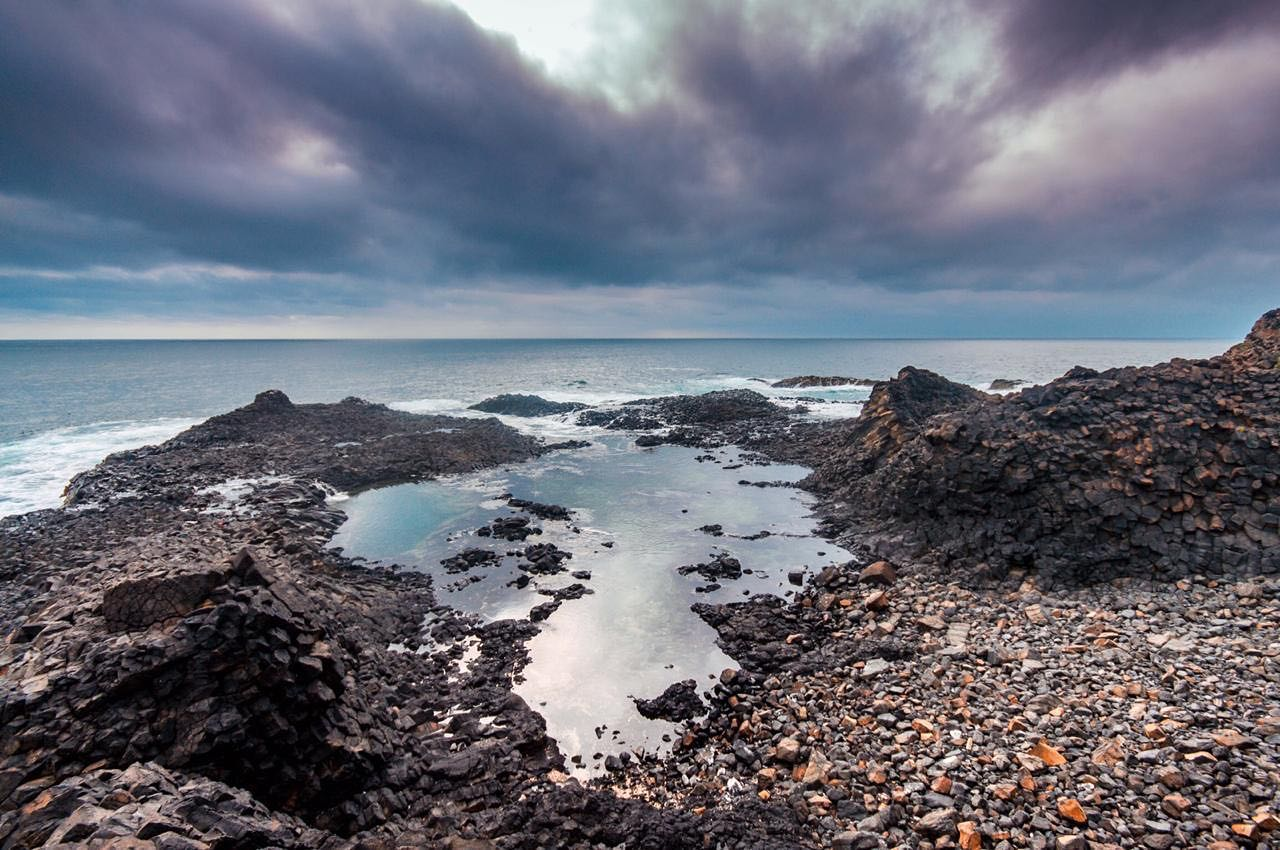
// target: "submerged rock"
[[544, 559], [540, 510], [721, 566], [509, 528]]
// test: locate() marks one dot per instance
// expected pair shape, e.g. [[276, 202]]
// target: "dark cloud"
[[394, 142], [1057, 43]]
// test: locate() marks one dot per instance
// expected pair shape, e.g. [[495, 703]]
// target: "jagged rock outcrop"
[[146, 806], [350, 445], [1158, 471], [716, 408]]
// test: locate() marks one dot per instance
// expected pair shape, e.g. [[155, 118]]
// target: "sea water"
[[637, 515]]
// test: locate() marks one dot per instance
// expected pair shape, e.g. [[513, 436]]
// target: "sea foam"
[[34, 470]]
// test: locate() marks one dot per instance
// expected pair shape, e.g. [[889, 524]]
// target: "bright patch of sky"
[[562, 35]]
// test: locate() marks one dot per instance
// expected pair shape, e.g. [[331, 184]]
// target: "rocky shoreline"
[[1075, 644], [1158, 472], [187, 664]]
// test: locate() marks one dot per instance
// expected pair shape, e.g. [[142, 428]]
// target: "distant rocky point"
[[516, 404], [807, 381], [712, 419]]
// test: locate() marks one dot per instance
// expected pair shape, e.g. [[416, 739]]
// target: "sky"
[[602, 168]]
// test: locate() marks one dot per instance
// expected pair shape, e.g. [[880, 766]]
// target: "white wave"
[[593, 399], [835, 410], [332, 494], [985, 386], [34, 470], [554, 428], [446, 406], [231, 492]]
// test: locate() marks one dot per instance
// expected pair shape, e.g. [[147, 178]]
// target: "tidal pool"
[[635, 634]]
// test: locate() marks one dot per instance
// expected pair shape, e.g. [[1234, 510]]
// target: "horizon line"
[[631, 339]]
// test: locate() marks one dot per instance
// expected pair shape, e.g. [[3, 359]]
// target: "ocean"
[[66, 405]]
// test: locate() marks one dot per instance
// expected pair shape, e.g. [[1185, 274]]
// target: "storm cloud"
[[1006, 159]]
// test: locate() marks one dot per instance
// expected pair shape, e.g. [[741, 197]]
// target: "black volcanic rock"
[[509, 528], [544, 559], [716, 407], [677, 703], [541, 510], [720, 566], [350, 445], [892, 416], [515, 404], [469, 559]]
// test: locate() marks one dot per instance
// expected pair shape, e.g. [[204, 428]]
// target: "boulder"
[[678, 702], [137, 603]]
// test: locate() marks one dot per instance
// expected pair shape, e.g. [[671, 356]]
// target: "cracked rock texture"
[[1154, 472]]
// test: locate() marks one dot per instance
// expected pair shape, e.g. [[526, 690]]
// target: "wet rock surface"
[[544, 559], [678, 702], [720, 567], [509, 528], [540, 510], [1162, 471], [469, 559]]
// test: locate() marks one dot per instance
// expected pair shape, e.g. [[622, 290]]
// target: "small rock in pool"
[[468, 558], [540, 510], [677, 703], [541, 612], [509, 528], [721, 566]]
